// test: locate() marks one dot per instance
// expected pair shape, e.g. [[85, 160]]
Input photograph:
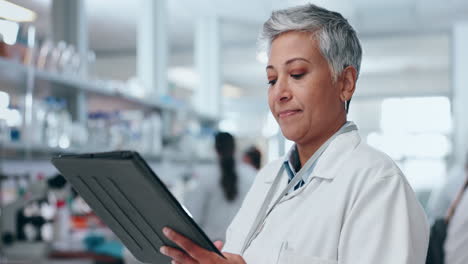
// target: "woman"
[[332, 198], [220, 190], [253, 157]]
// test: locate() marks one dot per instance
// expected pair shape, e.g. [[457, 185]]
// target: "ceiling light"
[[10, 11], [9, 31]]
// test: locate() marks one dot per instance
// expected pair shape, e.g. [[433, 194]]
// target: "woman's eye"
[[272, 82], [297, 76]]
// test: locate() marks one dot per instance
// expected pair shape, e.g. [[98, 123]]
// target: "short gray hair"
[[338, 41]]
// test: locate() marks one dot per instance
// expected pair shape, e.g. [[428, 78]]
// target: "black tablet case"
[[128, 196]]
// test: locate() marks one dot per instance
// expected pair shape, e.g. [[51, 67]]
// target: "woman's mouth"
[[288, 113]]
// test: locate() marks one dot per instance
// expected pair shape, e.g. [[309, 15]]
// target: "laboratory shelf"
[[17, 150], [20, 150], [15, 72], [13, 76], [12, 66], [17, 78], [93, 86]]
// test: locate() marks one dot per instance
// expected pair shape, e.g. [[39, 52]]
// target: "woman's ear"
[[348, 79]]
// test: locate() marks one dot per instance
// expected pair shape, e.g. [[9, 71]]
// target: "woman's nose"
[[284, 92]]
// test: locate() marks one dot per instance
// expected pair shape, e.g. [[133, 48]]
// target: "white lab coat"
[[207, 202], [357, 209]]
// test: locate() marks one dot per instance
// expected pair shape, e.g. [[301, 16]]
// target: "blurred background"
[[161, 77]]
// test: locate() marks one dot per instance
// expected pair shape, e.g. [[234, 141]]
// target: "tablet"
[[130, 198]]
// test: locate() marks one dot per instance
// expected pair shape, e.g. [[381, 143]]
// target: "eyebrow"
[[288, 62]]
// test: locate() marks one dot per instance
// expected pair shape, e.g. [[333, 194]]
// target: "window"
[[415, 133]]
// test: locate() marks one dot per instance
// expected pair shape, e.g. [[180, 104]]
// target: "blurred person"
[[449, 235], [443, 196], [456, 244], [332, 198], [219, 191], [441, 210], [253, 157]]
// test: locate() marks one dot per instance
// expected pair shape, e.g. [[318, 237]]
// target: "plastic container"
[[51, 124], [64, 126], [61, 226], [98, 128]]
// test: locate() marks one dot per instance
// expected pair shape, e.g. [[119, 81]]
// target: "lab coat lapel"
[[270, 175], [329, 164]]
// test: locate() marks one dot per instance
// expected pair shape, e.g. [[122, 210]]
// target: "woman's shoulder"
[[370, 159]]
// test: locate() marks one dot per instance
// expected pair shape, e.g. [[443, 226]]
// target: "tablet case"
[[128, 196]]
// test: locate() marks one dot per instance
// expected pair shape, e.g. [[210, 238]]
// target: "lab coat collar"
[[330, 162]]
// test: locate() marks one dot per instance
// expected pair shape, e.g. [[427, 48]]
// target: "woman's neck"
[[306, 150]]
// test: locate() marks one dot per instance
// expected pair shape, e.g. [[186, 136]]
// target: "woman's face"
[[302, 95]]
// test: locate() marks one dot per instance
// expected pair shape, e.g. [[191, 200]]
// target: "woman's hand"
[[194, 254]]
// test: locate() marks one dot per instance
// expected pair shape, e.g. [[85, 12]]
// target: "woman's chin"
[[290, 134]]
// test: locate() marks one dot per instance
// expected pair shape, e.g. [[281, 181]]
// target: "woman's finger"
[[192, 249], [177, 255], [219, 244]]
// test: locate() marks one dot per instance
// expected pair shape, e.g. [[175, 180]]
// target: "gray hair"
[[338, 41]]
